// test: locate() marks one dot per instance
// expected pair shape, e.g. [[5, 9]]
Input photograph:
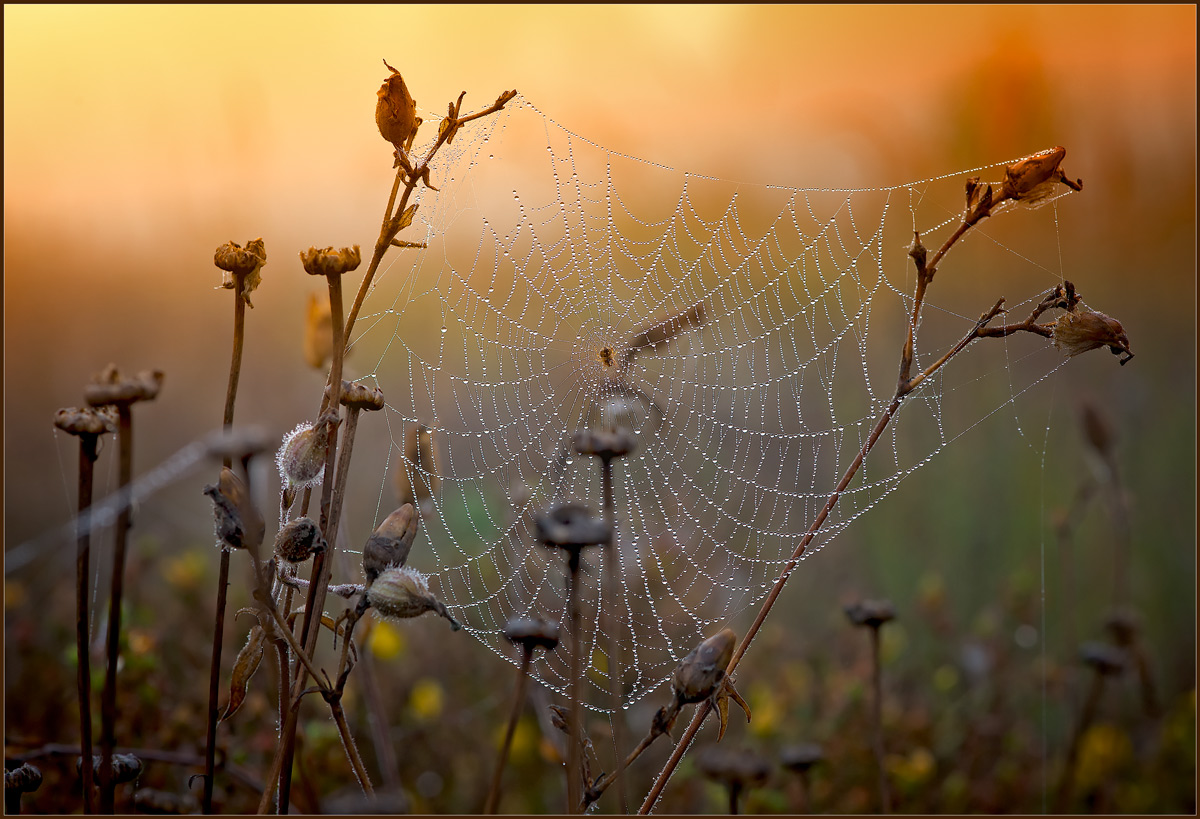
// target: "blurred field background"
[[137, 139]]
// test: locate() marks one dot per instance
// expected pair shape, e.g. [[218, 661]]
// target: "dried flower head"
[[85, 421], [108, 388], [244, 263], [299, 540], [605, 443], [360, 396], [739, 767], [238, 523], [1103, 658], [1083, 330], [327, 262], [395, 110], [871, 613], [390, 543], [403, 592], [801, 757], [318, 332], [572, 525], [531, 632], [701, 671], [301, 459]]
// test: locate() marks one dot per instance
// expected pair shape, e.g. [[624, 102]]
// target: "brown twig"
[[493, 797]]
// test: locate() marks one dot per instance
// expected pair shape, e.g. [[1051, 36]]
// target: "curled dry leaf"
[[244, 667]]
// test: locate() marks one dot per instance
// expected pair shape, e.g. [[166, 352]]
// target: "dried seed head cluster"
[[126, 767], [327, 262], [736, 767], [299, 540], [360, 396], [109, 388], [301, 459], [403, 592], [389, 545], [241, 262]]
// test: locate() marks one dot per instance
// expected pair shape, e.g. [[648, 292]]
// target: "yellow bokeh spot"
[[141, 642], [945, 678], [549, 752], [914, 769], [427, 699], [765, 708], [1103, 750], [386, 641], [14, 595], [186, 570]]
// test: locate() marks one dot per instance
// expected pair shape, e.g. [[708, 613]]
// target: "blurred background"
[[138, 139]]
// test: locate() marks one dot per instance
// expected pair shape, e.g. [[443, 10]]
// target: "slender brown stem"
[[603, 782], [493, 797], [87, 460], [877, 720], [214, 677], [574, 761], [108, 703], [356, 763], [608, 616]]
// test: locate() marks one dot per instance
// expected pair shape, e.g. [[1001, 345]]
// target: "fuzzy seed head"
[[299, 540], [301, 459], [403, 592]]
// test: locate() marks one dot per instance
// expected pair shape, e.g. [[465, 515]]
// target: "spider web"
[[550, 262]]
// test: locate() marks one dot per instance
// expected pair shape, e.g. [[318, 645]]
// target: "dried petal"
[[244, 667], [329, 262], [389, 545], [1083, 330], [395, 110]]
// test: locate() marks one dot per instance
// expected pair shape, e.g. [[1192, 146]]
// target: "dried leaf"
[[243, 669]]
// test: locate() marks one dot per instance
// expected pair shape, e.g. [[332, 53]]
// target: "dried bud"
[[23, 779], [404, 592], [108, 387], [741, 768], [301, 459], [1083, 330], [613, 442], [238, 523], [572, 526], [299, 540], [329, 262], [246, 262], [531, 632], [979, 201], [1103, 658], [86, 421], [700, 672], [872, 613], [396, 110], [125, 767], [419, 476], [360, 396], [1033, 178], [389, 545], [318, 332], [801, 757]]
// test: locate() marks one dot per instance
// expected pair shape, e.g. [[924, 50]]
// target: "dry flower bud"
[[404, 592], [801, 757], [1105, 659], [299, 540], [700, 672], [532, 632], [318, 332], [572, 525], [1083, 330], [614, 442], [301, 459], [395, 110], [733, 766], [238, 523], [872, 613], [326, 261], [360, 396], [108, 387], [1033, 178], [238, 261], [86, 421], [389, 545], [125, 767]]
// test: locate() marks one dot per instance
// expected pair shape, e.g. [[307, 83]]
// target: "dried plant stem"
[[906, 384], [1066, 782], [214, 677], [385, 751], [574, 760], [493, 797], [615, 669], [356, 763], [877, 720], [87, 460], [108, 703], [603, 782]]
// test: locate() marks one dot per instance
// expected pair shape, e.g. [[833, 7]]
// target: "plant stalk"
[[493, 797], [616, 667], [574, 761], [877, 720], [87, 461]]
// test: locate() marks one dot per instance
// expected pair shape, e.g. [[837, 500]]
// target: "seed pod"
[[329, 262], [404, 592], [238, 522], [86, 421], [299, 540], [395, 110], [389, 545], [1080, 331], [301, 459], [700, 672], [1033, 178], [23, 779]]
